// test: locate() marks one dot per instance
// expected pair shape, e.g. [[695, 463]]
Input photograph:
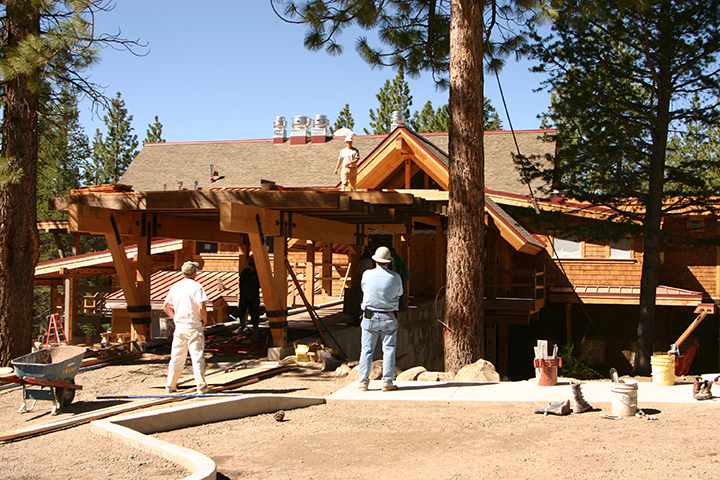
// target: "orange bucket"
[[548, 370]]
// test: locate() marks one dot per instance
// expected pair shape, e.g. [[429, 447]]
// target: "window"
[[567, 247], [621, 248]]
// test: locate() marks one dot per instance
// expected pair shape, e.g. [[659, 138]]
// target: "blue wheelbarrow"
[[53, 367]]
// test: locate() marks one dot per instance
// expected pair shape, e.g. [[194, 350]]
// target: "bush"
[[576, 365]]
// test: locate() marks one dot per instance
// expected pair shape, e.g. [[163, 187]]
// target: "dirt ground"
[[357, 440]]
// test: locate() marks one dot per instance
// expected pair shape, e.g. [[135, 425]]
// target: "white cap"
[[189, 268], [382, 255], [349, 138]]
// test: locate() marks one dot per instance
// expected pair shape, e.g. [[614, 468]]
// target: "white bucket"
[[625, 398]]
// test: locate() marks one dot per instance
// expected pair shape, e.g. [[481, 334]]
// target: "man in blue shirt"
[[381, 292]]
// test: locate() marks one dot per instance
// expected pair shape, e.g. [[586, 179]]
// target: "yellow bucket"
[[301, 353], [663, 369]]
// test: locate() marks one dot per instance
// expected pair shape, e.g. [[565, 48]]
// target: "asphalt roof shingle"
[[246, 162]]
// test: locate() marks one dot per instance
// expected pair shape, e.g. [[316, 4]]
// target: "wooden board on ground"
[[229, 378]]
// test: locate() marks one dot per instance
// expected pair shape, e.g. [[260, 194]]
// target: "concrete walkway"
[[526, 391]]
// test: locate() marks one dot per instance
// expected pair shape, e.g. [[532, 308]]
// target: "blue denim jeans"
[[385, 325]]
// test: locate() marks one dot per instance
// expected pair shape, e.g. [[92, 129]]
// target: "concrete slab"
[[526, 391]]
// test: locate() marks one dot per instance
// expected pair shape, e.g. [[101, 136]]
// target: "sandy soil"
[[357, 440]]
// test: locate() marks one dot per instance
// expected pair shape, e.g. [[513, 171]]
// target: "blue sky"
[[224, 69]]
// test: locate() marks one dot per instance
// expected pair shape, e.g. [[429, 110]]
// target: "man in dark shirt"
[[250, 296]]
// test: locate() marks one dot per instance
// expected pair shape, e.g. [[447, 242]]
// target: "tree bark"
[[18, 216], [652, 223], [464, 317]]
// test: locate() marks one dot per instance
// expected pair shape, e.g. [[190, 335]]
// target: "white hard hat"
[[349, 138], [382, 255]]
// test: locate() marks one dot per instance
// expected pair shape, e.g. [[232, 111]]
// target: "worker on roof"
[[348, 159]]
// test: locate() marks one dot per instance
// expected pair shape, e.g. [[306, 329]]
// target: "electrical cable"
[[543, 227]]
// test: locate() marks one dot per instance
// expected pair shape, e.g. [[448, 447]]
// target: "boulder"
[[435, 377], [376, 371], [345, 369], [480, 371], [410, 374]]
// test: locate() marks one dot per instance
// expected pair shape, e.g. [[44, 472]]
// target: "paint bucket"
[[167, 327], [548, 368], [663, 369], [625, 398]]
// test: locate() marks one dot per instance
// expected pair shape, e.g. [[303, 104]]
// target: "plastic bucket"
[[548, 368], [625, 398], [167, 327], [663, 369]]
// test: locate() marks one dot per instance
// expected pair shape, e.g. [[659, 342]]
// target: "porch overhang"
[[623, 295]]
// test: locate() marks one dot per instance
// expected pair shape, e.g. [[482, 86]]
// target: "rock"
[[480, 371], [435, 377], [411, 374], [376, 371]]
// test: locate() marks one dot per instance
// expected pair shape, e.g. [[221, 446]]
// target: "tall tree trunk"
[[654, 203], [18, 216], [464, 317]]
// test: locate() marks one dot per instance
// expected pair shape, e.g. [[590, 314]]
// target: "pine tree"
[[344, 119], [393, 96], [430, 120], [113, 153], [624, 75], [154, 132], [45, 44], [441, 38]]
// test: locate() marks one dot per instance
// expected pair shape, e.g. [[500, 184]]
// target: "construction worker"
[[185, 304], [348, 159], [381, 293]]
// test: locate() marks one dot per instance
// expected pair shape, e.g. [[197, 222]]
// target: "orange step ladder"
[[55, 329]]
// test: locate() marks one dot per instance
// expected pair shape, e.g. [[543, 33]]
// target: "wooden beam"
[[239, 218], [97, 220]]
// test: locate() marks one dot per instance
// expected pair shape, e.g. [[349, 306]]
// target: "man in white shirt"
[[185, 304], [348, 159]]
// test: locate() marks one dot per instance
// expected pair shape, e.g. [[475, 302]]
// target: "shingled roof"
[[239, 163]]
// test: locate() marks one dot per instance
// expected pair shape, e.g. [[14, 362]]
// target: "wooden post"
[[568, 321], [70, 305], [408, 173], [270, 295], [354, 252], [143, 331], [310, 272], [138, 312], [502, 351], [281, 275], [327, 269], [439, 258]]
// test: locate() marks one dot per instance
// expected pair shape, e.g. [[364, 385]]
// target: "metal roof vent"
[[321, 130], [320, 121], [396, 119], [279, 130], [300, 132]]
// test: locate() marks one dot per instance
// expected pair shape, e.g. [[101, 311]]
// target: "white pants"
[[183, 341]]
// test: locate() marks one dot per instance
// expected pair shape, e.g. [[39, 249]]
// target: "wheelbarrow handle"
[[52, 383]]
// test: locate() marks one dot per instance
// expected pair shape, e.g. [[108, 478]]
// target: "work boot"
[[579, 403], [704, 393], [559, 408], [697, 383]]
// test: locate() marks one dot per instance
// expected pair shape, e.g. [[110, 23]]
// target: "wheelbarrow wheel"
[[64, 396]]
